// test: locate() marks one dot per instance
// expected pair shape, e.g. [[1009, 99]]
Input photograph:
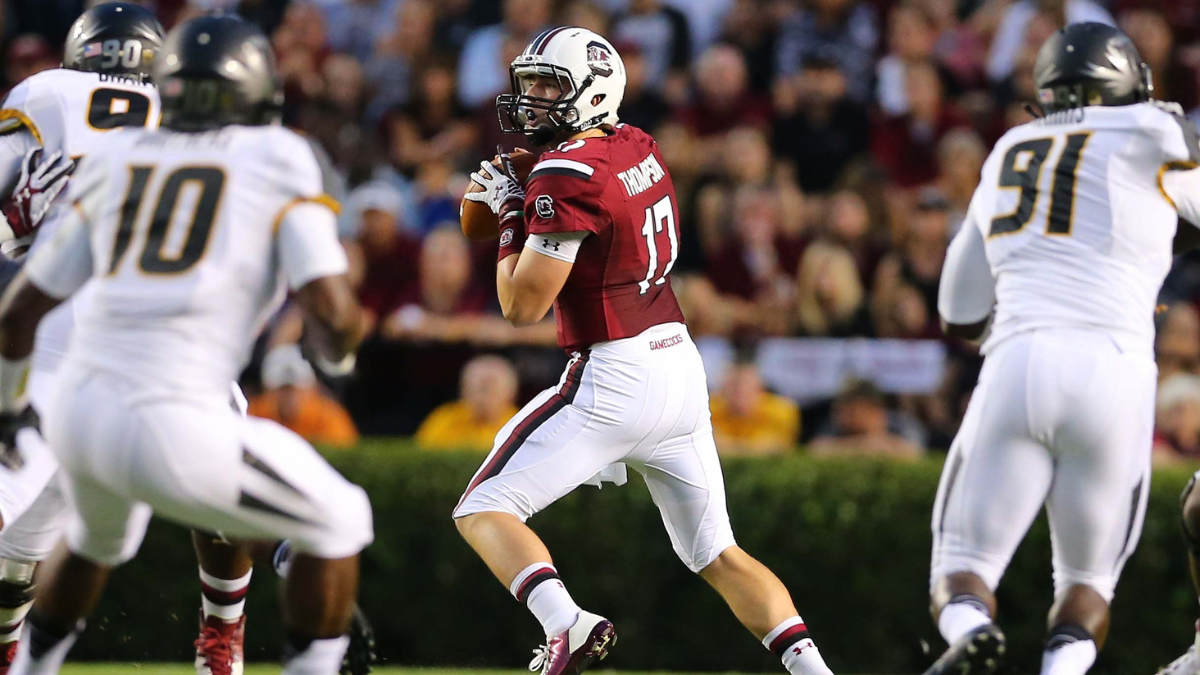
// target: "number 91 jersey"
[[1077, 227], [617, 191]]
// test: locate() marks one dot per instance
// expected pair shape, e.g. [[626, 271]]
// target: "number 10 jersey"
[[185, 242], [616, 189], [1077, 226]]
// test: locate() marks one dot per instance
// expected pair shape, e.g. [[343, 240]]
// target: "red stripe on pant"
[[564, 396]]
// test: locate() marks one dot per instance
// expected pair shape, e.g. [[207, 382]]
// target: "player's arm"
[[315, 265], [967, 291], [528, 282], [1182, 188]]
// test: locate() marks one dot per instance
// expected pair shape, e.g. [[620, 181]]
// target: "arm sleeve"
[[308, 245], [562, 246], [64, 264], [561, 201], [967, 290], [1183, 189]]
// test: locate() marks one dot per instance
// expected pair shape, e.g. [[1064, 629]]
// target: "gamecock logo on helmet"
[[599, 59]]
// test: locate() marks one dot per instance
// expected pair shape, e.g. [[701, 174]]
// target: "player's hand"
[[42, 179], [12, 422], [499, 188]]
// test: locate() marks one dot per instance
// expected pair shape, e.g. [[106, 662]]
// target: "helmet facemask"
[[517, 111]]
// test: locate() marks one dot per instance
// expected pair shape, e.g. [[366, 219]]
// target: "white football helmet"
[[590, 74]]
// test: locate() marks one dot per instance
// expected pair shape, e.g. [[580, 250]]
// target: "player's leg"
[[24, 543], [1189, 663], [225, 570], [103, 531], [1098, 499], [551, 447], [994, 482]]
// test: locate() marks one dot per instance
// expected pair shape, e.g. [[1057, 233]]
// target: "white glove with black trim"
[[42, 179], [498, 187]]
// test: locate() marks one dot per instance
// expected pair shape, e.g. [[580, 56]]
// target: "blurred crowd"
[[824, 152]]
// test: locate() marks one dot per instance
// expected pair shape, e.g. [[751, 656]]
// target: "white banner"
[[811, 369]]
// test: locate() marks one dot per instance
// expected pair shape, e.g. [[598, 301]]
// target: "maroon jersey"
[[617, 189]]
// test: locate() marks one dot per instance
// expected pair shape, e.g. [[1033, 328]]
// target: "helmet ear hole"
[[598, 98]]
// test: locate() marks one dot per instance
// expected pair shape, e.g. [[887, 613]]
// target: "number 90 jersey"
[[1077, 227], [616, 189]]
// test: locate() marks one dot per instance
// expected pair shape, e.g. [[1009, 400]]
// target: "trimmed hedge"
[[850, 538]]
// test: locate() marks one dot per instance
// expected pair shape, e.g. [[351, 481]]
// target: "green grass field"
[[265, 669]]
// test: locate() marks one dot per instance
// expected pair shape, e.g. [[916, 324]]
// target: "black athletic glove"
[[360, 656], [10, 424]]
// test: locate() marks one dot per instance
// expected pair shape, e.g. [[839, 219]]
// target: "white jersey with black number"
[[1076, 215], [72, 111], [187, 240]]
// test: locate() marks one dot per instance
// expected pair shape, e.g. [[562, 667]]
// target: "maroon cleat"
[[220, 647], [573, 651], [8, 653]]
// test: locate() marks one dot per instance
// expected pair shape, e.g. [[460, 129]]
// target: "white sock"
[[539, 587], [791, 643], [320, 657], [53, 651], [959, 618], [223, 598], [17, 576], [1070, 659]]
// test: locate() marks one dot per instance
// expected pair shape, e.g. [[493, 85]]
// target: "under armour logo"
[[550, 244], [797, 650]]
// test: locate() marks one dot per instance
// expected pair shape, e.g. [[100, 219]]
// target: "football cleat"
[[8, 654], [979, 652], [360, 655], [221, 646], [571, 653], [1189, 663]]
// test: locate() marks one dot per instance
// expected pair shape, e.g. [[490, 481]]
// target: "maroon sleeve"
[[560, 202]]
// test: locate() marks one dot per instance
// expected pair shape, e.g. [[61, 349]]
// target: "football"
[[478, 221]]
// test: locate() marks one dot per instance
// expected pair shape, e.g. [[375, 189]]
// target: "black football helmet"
[[116, 38], [1090, 64], [215, 71]]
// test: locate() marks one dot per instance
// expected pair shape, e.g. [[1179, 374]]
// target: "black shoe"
[[360, 655], [979, 652]]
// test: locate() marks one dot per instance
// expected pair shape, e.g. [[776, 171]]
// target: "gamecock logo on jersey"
[[545, 206], [506, 237], [599, 59]]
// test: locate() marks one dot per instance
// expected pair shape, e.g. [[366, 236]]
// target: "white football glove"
[[498, 188], [42, 179]]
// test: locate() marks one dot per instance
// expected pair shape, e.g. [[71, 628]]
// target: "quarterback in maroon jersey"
[[595, 232]]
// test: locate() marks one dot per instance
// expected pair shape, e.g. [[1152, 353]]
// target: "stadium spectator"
[[293, 399], [399, 54], [483, 64], [911, 40], [28, 55], [661, 33], [1012, 33], [917, 262], [960, 159], [1177, 419], [487, 401], [820, 129], [906, 145], [301, 47], [863, 425], [1177, 347], [356, 25], [749, 420], [433, 128], [643, 106], [1174, 79], [829, 294], [846, 31], [748, 26], [388, 253], [723, 99], [445, 303]]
